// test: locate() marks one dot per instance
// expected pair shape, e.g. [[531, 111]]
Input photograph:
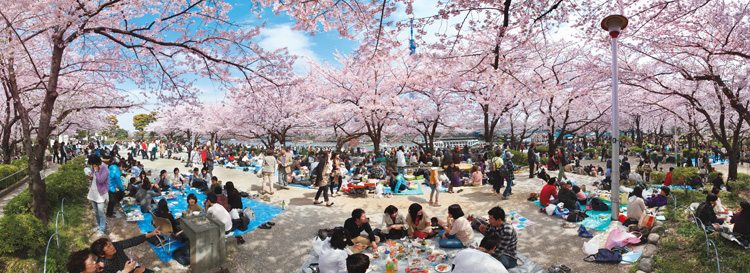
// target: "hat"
[[508, 155]]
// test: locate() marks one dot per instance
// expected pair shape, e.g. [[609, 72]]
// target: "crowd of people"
[[495, 253], [328, 168]]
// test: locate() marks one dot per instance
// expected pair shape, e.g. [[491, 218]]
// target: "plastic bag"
[[551, 209], [618, 238], [592, 246]]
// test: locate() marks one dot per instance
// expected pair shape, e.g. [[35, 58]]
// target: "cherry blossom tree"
[[700, 66], [153, 44], [369, 88]]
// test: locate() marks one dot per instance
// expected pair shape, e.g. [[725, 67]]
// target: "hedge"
[[23, 238], [519, 158], [543, 149], [658, 177], [713, 175], [544, 160], [681, 176]]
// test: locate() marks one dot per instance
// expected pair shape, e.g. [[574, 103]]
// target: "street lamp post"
[[614, 24]]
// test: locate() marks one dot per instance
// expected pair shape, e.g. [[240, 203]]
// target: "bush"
[[658, 177], [7, 170], [519, 158], [713, 175], [590, 150], [24, 235], [76, 164], [542, 149], [544, 160], [636, 150], [72, 185], [19, 204], [22, 162], [692, 153], [681, 176]]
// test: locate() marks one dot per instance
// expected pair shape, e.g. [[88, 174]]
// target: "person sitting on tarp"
[[377, 171], [658, 200], [397, 182], [548, 191], [706, 214], [568, 197], [741, 219]]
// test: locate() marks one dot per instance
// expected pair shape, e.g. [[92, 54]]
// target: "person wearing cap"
[[218, 211], [658, 200]]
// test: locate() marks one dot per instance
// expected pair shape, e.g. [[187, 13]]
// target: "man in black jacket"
[[568, 197], [531, 158], [355, 226]]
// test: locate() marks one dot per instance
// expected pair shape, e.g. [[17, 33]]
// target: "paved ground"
[[285, 247]]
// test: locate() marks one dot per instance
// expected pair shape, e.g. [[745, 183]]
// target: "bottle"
[[395, 265], [283, 204], [584, 188], [389, 267]]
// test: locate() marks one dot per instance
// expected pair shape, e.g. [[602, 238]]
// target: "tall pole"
[[614, 24], [615, 174]]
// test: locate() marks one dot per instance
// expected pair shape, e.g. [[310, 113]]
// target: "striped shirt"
[[508, 240]]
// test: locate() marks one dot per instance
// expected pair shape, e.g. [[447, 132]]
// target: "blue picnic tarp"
[[598, 220], [263, 213]]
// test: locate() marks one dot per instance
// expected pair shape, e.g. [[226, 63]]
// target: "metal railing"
[[55, 235], [709, 243], [13, 178]]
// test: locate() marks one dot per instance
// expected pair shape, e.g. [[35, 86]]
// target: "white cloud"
[[296, 42]]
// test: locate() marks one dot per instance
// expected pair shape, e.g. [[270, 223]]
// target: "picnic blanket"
[[598, 220], [525, 265], [519, 222], [263, 213], [417, 191]]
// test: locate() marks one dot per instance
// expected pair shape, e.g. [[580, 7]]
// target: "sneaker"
[[99, 234], [504, 198], [584, 233], [95, 229], [568, 225]]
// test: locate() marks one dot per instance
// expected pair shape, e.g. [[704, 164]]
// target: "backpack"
[[577, 216], [494, 166], [598, 205]]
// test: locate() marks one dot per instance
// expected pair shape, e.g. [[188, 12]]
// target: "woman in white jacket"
[[334, 252]]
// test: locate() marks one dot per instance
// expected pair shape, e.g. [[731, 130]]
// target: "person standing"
[[285, 168], [115, 183], [210, 156], [322, 171], [98, 194], [335, 178], [507, 171], [400, 159], [531, 157], [269, 167]]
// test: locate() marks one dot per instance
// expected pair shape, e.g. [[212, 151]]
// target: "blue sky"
[[278, 34]]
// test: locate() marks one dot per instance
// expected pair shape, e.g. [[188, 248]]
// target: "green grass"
[[683, 247]]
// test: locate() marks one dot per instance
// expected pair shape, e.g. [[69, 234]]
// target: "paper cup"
[[196, 213]]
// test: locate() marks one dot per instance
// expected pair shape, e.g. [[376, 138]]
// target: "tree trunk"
[[552, 144], [488, 133], [37, 188]]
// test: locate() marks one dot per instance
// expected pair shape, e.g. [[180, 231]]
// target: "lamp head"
[[614, 24]]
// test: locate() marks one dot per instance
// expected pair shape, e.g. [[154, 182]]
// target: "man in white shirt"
[[218, 212], [479, 260]]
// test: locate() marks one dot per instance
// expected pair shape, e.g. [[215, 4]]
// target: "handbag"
[[618, 238], [605, 256], [646, 221]]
